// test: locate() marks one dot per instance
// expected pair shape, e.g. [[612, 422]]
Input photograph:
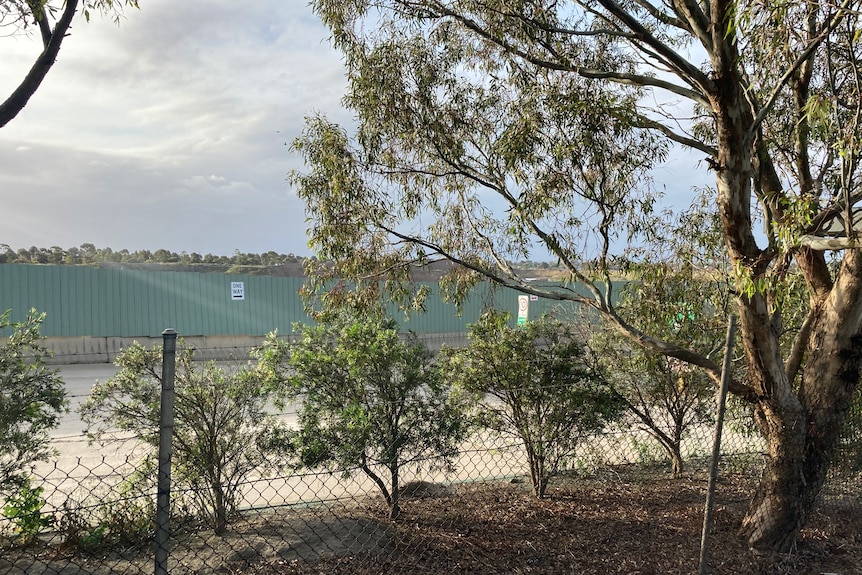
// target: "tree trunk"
[[799, 457], [672, 446], [538, 473], [395, 505], [802, 431], [220, 508], [779, 508], [542, 488], [676, 461], [387, 496]]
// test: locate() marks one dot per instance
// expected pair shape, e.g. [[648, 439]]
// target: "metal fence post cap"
[[170, 332]]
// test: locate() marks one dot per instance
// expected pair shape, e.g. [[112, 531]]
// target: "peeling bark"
[[802, 430]]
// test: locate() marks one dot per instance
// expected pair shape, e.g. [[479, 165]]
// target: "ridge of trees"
[[88, 254]]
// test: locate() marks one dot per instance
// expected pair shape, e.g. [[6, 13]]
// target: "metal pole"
[[716, 447], [166, 428]]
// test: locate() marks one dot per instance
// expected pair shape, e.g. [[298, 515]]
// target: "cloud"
[[169, 127], [169, 130], [205, 188]]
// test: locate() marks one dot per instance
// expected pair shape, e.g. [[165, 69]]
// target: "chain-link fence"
[[91, 510]]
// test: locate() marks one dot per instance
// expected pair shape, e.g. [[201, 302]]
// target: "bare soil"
[[616, 522], [611, 525]]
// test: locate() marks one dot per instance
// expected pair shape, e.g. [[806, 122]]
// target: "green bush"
[[222, 431], [370, 400], [32, 396], [534, 383], [23, 508]]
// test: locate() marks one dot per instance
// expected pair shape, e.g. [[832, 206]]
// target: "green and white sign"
[[523, 309]]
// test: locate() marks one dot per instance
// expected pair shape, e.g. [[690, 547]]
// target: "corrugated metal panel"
[[130, 303], [441, 317]]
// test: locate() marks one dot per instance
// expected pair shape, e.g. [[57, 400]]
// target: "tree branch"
[[644, 122], [683, 67], [803, 57], [599, 304], [797, 352], [19, 98], [641, 34]]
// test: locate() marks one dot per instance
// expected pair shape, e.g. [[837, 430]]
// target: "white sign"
[[523, 308], [237, 290]]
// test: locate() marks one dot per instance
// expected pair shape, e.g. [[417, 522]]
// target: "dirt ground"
[[614, 526], [615, 522]]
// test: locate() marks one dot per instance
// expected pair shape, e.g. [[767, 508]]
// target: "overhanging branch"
[[22, 94], [840, 13], [640, 338]]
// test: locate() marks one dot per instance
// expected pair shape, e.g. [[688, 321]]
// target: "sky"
[[171, 130]]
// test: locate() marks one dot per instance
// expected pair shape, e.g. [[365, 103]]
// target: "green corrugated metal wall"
[[86, 301], [128, 303]]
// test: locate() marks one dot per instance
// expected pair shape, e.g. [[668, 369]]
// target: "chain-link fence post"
[[166, 428], [716, 447]]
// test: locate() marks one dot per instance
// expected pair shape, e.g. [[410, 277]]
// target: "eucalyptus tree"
[[487, 129], [53, 20]]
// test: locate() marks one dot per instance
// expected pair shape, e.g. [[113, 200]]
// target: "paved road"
[[79, 381]]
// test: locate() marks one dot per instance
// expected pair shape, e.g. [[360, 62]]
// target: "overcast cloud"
[[168, 131]]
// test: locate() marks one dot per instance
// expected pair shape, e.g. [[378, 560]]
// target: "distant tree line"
[[88, 254]]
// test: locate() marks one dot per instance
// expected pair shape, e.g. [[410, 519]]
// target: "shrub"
[[32, 397], [23, 508], [222, 430], [369, 399], [535, 383]]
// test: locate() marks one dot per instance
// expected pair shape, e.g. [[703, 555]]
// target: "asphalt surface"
[[79, 380]]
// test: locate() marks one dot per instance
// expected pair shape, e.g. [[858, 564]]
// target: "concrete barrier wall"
[[84, 349], [70, 350]]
